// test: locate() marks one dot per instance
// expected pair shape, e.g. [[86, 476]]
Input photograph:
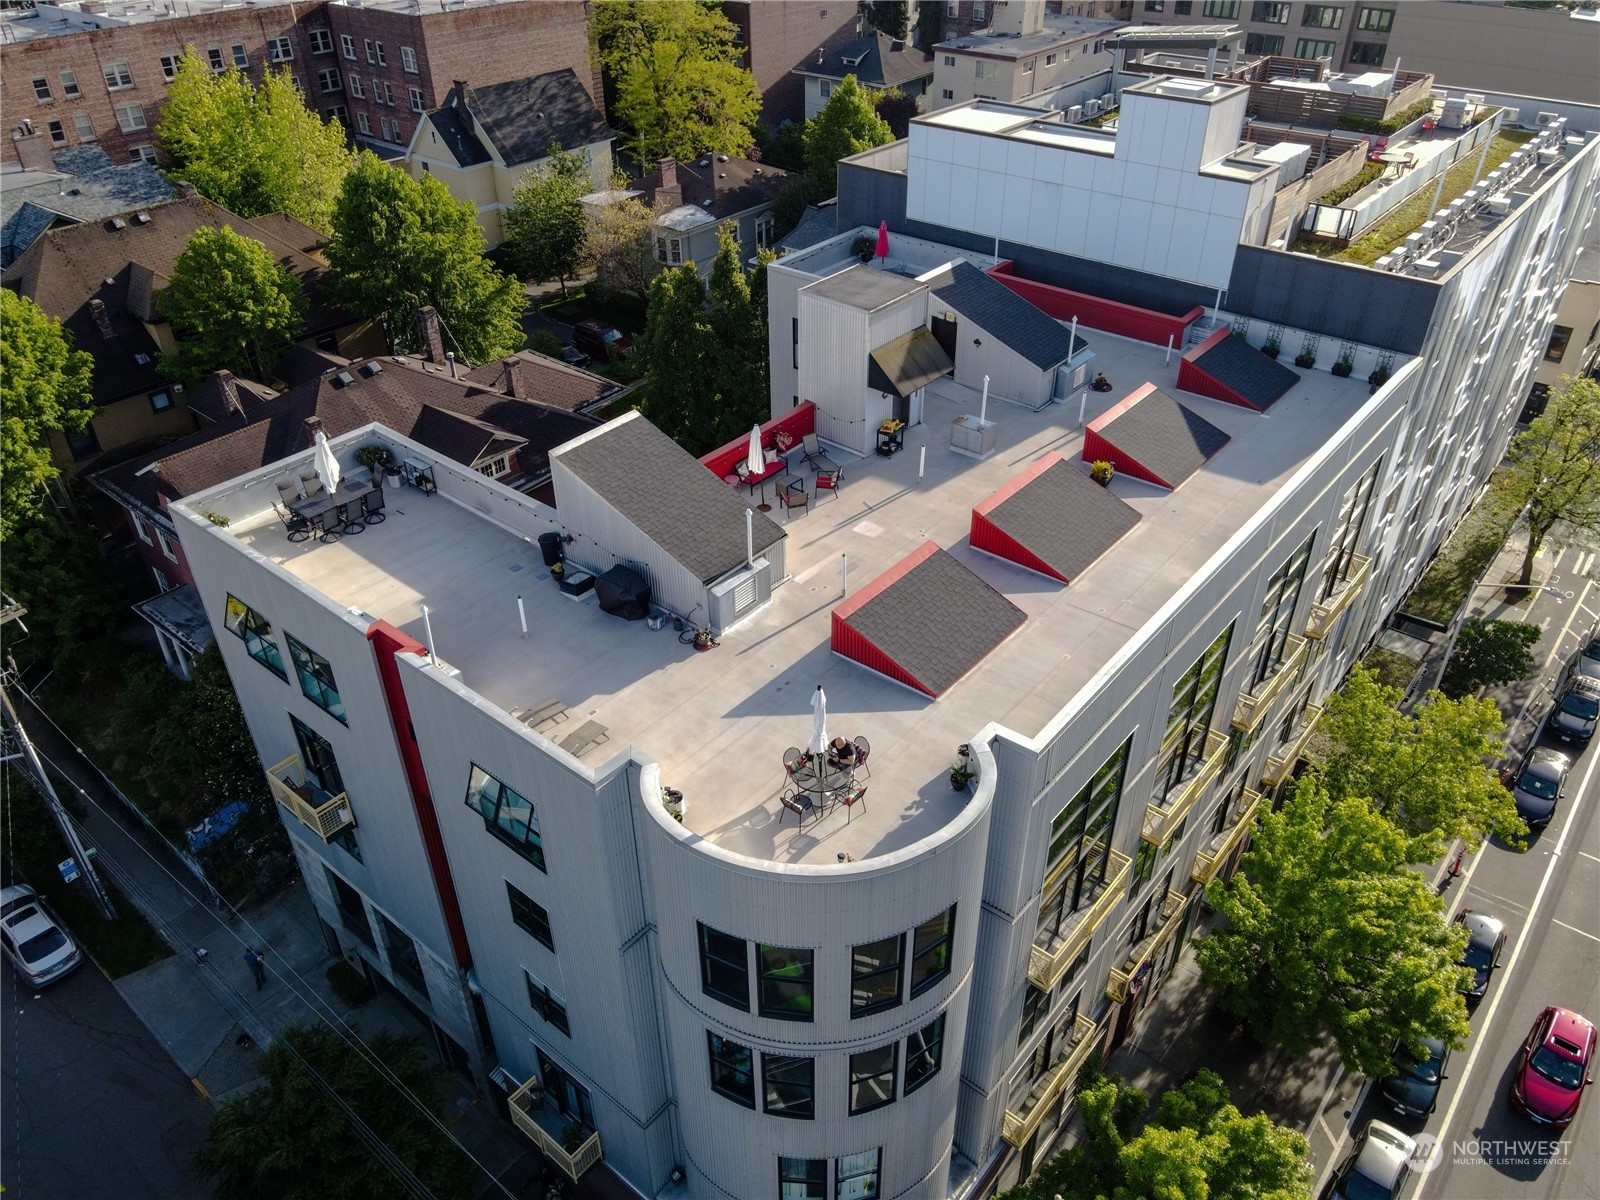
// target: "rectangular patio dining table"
[[315, 508]]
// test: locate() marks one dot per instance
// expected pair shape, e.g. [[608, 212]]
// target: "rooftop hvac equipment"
[[1428, 268], [1386, 263], [1075, 114], [1474, 98], [1500, 205], [1549, 154], [1454, 115], [1544, 118], [1511, 116], [1108, 101], [1091, 108]]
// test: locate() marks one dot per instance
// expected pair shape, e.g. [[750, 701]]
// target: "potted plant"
[[376, 459], [573, 1137], [672, 799], [557, 570], [1379, 376], [862, 248], [961, 774], [1101, 471], [1344, 366], [1270, 349], [1100, 383], [1306, 359]]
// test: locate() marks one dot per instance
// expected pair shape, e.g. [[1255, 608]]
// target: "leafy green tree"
[[739, 328], [1329, 934], [200, 747], [896, 108], [400, 243], [294, 1139], [930, 23], [231, 305], [545, 342], [798, 192], [546, 223], [783, 145], [252, 148], [1489, 653], [847, 125], [889, 16], [677, 344], [1554, 469], [677, 85], [44, 385], [54, 568], [1424, 771], [618, 243]]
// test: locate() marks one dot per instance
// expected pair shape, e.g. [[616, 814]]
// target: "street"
[[93, 1106]]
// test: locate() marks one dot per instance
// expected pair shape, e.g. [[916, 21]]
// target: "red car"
[[1553, 1069]]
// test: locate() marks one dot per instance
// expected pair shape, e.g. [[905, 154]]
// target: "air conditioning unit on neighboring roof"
[[1091, 108]]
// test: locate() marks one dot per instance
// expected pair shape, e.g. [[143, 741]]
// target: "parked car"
[[1377, 1166], [1576, 710], [572, 356], [1413, 1090], [1539, 785], [1553, 1068], [600, 341], [1486, 941], [1587, 663], [40, 950]]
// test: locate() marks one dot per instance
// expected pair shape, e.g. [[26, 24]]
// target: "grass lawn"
[[1393, 229], [1394, 670], [1461, 561], [34, 846]]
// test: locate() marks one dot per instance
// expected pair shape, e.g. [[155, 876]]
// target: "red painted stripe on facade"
[[987, 537], [797, 422], [387, 641], [1015, 484], [1128, 320]]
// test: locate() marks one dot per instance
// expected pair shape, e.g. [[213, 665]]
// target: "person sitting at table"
[[841, 753]]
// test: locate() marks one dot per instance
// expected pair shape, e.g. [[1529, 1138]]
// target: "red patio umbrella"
[[883, 239]]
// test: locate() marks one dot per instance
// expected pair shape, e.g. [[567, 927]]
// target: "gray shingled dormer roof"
[[1031, 332]]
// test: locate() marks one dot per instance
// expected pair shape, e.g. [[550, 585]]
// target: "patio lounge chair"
[[814, 454]]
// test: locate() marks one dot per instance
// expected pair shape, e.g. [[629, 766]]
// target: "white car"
[[1377, 1166], [33, 939]]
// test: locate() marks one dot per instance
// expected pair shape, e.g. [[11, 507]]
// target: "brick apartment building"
[[83, 76]]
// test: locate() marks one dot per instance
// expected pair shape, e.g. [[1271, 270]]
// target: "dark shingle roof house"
[[1028, 330], [518, 120], [877, 61], [719, 186], [87, 186], [532, 376]]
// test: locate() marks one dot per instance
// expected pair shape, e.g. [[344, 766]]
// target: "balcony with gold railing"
[[1159, 820], [1171, 918], [1325, 612], [1051, 954], [320, 812], [1217, 850], [1250, 707], [1280, 765], [1017, 1127], [553, 1131]]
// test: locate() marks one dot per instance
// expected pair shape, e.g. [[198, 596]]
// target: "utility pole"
[[69, 832]]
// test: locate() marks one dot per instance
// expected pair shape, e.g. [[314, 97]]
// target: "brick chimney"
[[509, 382], [670, 194], [313, 426], [229, 387], [32, 147], [102, 318], [185, 189], [429, 316]]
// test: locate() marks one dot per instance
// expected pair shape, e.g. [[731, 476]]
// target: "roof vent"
[[369, 369], [141, 218], [722, 158], [722, 174], [705, 203], [142, 359], [118, 223], [704, 162], [343, 379]]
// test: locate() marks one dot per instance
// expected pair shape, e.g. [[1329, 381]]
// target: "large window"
[[506, 814], [875, 975], [1376, 20], [1277, 616], [404, 960], [1228, 10], [732, 1072], [987, 69], [856, 1175], [724, 968], [529, 916], [316, 755], [1270, 14], [352, 912], [1368, 54], [547, 1004], [802, 1178], [1263, 43], [1194, 699], [872, 1075], [321, 41], [788, 1086], [1347, 533], [1556, 349], [1323, 16], [924, 1054], [1080, 838], [1312, 48], [785, 978], [316, 678], [1035, 1005], [117, 76], [255, 631], [930, 951]]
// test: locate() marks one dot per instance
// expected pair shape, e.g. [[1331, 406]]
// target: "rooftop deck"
[[718, 722]]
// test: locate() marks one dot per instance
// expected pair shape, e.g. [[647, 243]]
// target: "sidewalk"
[[207, 1013]]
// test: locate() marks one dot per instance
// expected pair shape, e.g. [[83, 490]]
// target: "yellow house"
[[481, 140]]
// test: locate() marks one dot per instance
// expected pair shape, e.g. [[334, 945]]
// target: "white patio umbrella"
[[327, 464], [819, 722], [753, 461]]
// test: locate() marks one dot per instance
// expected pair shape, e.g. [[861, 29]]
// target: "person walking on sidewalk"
[[257, 963]]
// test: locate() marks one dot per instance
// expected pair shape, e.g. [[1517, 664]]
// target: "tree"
[[896, 108], [677, 85], [889, 16], [1425, 771], [847, 125], [1329, 934], [231, 305], [930, 24], [44, 385], [797, 194], [738, 363], [1554, 469], [1489, 653], [55, 569], [546, 222], [253, 149], [677, 344], [618, 242], [400, 243], [294, 1139]]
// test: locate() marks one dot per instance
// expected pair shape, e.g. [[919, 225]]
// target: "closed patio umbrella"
[[819, 722], [753, 461], [327, 464], [883, 239]]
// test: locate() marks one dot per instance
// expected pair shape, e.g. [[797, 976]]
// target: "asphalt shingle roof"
[[937, 621], [670, 496], [90, 187], [458, 138], [1237, 365], [908, 362], [733, 187], [1031, 332], [1168, 439], [1064, 518], [533, 376], [523, 116], [884, 62], [820, 222]]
